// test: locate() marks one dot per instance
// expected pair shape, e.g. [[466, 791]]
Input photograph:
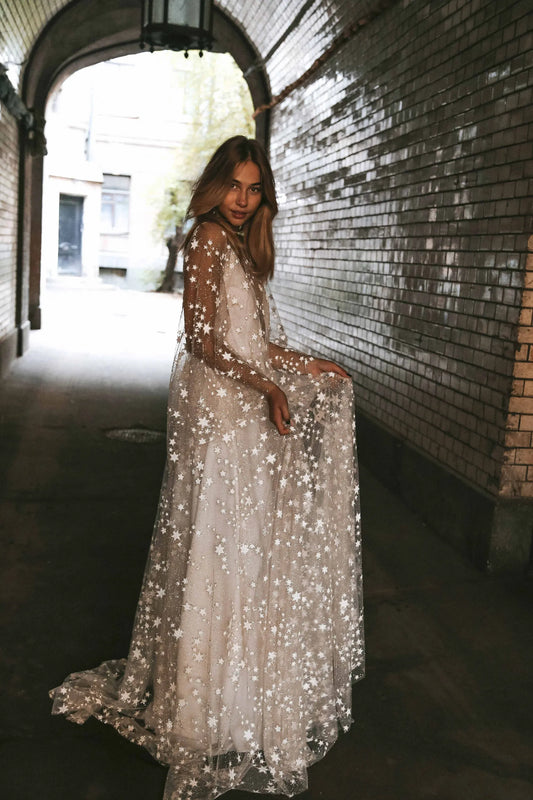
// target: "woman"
[[248, 633]]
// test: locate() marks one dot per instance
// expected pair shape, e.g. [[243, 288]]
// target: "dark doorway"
[[70, 226]]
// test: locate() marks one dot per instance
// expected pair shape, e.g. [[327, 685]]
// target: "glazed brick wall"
[[20, 24], [404, 170], [292, 34], [8, 221]]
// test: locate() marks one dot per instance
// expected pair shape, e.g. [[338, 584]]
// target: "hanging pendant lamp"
[[177, 24]]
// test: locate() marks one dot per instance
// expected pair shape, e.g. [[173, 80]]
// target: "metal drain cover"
[[135, 435]]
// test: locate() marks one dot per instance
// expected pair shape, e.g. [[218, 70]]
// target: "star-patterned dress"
[[249, 632]]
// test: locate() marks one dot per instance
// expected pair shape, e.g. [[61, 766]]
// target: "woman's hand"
[[317, 366], [278, 409]]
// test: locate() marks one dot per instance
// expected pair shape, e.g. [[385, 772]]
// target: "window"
[[115, 214]]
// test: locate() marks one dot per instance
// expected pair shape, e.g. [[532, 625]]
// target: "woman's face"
[[244, 195]]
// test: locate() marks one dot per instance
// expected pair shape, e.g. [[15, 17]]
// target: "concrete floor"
[[446, 709]]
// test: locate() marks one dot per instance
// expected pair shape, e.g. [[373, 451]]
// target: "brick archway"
[[83, 33]]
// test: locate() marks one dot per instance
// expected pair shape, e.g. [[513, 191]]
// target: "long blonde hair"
[[213, 185]]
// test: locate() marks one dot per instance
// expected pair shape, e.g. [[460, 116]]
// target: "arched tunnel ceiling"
[[88, 31]]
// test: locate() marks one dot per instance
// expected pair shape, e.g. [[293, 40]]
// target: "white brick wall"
[[8, 221], [405, 167]]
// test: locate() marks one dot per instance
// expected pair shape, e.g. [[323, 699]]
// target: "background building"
[[118, 134]]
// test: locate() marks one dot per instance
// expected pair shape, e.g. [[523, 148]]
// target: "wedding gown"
[[248, 633]]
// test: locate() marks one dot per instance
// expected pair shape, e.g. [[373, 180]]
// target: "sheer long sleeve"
[[208, 331], [290, 360]]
